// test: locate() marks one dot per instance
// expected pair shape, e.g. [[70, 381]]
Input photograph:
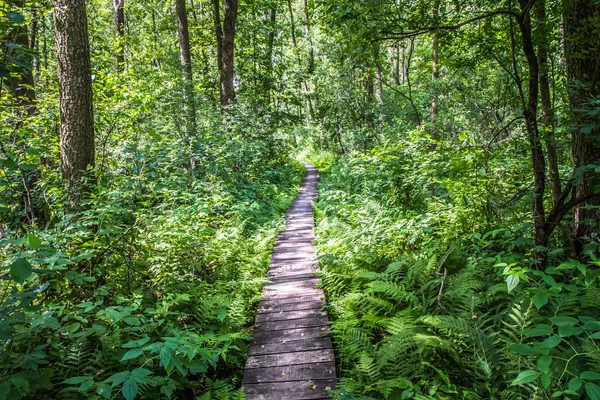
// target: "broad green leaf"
[[538, 330], [544, 364], [33, 241], [104, 390], [20, 270], [564, 321], [511, 282], [131, 354], [524, 349], [539, 300], [140, 374], [130, 389], [165, 357], [590, 376], [566, 331], [132, 321], [575, 384], [551, 342], [118, 378], [546, 381], [525, 377], [76, 380], [593, 391]]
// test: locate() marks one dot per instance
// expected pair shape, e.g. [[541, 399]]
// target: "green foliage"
[[425, 306]]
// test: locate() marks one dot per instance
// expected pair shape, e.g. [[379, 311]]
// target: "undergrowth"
[[431, 300]]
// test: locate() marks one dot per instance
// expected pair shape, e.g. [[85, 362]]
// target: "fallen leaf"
[[313, 387], [327, 388], [283, 374], [323, 329]]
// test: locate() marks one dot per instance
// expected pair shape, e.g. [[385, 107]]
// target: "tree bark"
[[75, 87], [547, 117], [303, 84], [582, 56], [119, 6], [268, 81], [189, 105], [225, 33], [396, 63], [22, 86], [435, 75]]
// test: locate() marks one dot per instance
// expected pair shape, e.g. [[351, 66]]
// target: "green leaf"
[[140, 374], [76, 380], [544, 364], [130, 389], [590, 376], [539, 300], [525, 377], [566, 331], [132, 321], [165, 357], [593, 391], [592, 326], [564, 321], [20, 270], [16, 18], [118, 378], [538, 330], [103, 390], [511, 282], [575, 384], [546, 381], [33, 241], [85, 386], [131, 354], [551, 342], [524, 349]]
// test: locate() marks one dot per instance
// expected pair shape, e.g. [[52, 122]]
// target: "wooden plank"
[[302, 372], [286, 276], [295, 358], [295, 345], [289, 315], [292, 297], [293, 285], [291, 324], [288, 335], [269, 307], [295, 390]]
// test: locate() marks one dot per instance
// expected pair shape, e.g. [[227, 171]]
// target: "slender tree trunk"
[[22, 85], [396, 63], [582, 56], [268, 81], [119, 6], [225, 33], [547, 117], [303, 84], [75, 87], [185, 57], [435, 75], [311, 53]]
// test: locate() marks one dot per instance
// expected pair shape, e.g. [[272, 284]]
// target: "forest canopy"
[[149, 151]]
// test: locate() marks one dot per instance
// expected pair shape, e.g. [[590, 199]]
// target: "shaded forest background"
[[148, 151]]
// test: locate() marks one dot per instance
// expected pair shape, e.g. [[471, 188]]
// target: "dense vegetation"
[[148, 152]]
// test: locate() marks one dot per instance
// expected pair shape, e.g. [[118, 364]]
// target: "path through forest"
[[291, 355]]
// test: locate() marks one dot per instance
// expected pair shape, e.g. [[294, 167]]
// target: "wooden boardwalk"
[[291, 356]]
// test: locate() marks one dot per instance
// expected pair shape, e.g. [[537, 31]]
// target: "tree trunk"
[[185, 57], [22, 86], [268, 81], [396, 63], [75, 87], [435, 75], [119, 6], [225, 33], [582, 56], [303, 84], [547, 117]]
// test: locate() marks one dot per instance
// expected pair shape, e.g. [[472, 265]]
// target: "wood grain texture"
[[291, 356]]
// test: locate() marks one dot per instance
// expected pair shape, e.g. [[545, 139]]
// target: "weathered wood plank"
[[295, 358], [295, 345], [302, 372], [311, 295], [289, 315], [296, 390], [291, 324], [270, 307], [288, 335]]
